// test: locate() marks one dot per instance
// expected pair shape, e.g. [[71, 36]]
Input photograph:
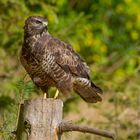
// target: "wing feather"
[[68, 59]]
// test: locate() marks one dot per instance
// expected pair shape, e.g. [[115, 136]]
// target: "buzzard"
[[51, 62]]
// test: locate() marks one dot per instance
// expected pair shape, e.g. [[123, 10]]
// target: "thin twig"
[[66, 127]]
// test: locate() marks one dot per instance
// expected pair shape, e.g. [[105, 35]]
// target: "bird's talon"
[[45, 95], [56, 94]]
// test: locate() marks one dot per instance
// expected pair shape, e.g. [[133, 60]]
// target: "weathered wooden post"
[[41, 119]]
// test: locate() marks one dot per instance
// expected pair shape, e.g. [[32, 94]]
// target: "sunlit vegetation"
[[106, 33]]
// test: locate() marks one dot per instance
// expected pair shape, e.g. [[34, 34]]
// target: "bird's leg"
[[38, 81], [45, 95], [56, 94]]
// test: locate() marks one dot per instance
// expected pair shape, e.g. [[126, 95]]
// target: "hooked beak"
[[45, 24]]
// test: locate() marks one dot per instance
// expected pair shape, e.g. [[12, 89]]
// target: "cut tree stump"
[[41, 119]]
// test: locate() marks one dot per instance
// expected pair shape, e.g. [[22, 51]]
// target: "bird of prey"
[[51, 62]]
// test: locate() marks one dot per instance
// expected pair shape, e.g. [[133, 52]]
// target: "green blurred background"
[[106, 33]]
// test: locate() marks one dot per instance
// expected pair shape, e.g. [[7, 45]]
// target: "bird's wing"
[[71, 63], [68, 60], [60, 62]]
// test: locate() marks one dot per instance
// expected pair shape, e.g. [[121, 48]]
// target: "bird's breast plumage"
[[32, 57]]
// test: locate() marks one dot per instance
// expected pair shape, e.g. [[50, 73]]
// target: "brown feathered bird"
[[51, 62]]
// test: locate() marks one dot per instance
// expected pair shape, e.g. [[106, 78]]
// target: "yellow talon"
[[45, 95], [56, 94]]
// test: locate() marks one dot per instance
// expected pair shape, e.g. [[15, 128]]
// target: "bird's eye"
[[38, 22]]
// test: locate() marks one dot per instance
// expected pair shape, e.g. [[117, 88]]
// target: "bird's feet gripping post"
[[56, 94]]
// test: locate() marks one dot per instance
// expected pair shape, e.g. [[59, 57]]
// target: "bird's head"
[[35, 25]]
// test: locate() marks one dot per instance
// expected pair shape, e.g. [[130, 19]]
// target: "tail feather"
[[87, 90]]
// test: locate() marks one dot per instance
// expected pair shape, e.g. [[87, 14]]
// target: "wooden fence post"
[[39, 119]]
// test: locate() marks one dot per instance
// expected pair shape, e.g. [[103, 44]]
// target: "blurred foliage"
[[105, 33]]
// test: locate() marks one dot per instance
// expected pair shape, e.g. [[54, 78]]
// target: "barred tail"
[[87, 90]]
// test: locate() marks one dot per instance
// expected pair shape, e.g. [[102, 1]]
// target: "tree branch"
[[67, 126]]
